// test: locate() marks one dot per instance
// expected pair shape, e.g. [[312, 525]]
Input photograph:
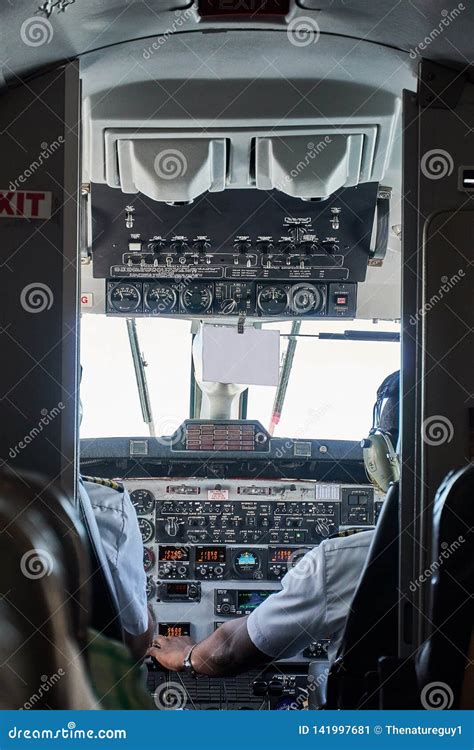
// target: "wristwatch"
[[187, 663]]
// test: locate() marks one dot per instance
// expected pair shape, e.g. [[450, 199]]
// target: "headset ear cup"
[[380, 459]]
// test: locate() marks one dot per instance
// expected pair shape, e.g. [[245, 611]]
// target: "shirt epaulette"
[[111, 483], [350, 532]]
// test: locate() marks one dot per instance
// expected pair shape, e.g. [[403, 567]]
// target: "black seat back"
[[444, 656], [43, 598], [371, 628]]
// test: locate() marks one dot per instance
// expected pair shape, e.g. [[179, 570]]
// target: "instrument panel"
[[217, 298], [215, 550]]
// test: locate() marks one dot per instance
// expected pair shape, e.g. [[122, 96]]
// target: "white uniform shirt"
[[315, 599], [122, 543]]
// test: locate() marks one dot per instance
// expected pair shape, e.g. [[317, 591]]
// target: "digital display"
[[210, 554], [176, 588], [281, 554], [246, 559], [174, 629], [249, 600], [173, 553]]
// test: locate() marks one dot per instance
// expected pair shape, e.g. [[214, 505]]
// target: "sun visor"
[[172, 170], [305, 167]]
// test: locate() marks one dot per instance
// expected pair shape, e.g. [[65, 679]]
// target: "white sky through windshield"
[[330, 394]]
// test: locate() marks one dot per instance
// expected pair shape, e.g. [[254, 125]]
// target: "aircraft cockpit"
[[230, 231]]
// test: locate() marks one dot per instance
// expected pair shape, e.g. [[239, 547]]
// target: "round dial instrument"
[[150, 588], [148, 559], [143, 501], [272, 300], [160, 298], [196, 298], [247, 564], [147, 529], [306, 299], [125, 298]]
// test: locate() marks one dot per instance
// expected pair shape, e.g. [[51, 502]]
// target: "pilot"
[[121, 542], [113, 527], [312, 605]]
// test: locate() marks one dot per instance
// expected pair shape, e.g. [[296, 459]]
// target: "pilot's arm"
[[123, 547], [313, 604]]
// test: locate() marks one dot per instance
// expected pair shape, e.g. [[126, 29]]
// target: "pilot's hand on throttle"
[[170, 651]]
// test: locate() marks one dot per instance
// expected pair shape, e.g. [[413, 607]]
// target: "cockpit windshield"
[[352, 356]]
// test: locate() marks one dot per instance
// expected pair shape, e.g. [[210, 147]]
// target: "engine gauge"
[[150, 588], [147, 529], [148, 559], [160, 298], [307, 298], [272, 300], [196, 298], [143, 501], [125, 298]]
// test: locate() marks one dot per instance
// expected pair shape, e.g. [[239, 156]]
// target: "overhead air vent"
[[309, 167], [173, 170]]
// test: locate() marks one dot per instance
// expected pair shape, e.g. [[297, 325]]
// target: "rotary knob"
[[154, 246], [201, 246], [178, 246]]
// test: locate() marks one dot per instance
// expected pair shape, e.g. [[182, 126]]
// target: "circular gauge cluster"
[[196, 298], [125, 297], [143, 501], [147, 529], [160, 298]]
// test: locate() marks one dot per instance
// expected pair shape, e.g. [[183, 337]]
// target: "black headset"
[[381, 460]]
